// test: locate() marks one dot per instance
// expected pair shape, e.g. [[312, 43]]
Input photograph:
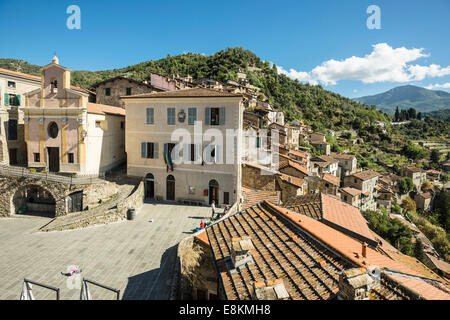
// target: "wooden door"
[[53, 159]]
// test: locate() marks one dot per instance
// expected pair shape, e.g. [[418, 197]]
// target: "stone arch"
[[33, 199]]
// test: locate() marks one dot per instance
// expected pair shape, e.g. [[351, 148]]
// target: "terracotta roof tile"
[[104, 109], [293, 180], [185, 93], [253, 197], [293, 164], [366, 175], [351, 191], [331, 179]]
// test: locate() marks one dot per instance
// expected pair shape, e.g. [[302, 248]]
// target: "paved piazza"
[[136, 257]]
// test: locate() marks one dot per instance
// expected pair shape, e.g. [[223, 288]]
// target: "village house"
[[347, 163], [292, 168], [291, 186], [330, 184], [109, 91], [366, 182], [418, 176], [319, 141], [385, 197], [324, 164], [196, 171], [302, 157], [446, 165], [423, 201], [66, 133], [351, 196], [293, 136]]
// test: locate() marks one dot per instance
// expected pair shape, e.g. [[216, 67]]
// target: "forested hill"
[[316, 106]]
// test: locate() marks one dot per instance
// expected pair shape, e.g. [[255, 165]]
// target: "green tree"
[[419, 116], [418, 250], [435, 156], [405, 184], [397, 115]]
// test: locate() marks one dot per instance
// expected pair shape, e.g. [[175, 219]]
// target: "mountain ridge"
[[409, 96]]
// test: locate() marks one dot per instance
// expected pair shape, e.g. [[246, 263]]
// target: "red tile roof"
[[351, 191], [366, 175], [185, 93], [352, 249], [331, 179], [293, 180], [293, 164], [303, 254]]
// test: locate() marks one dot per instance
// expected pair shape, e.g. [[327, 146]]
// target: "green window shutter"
[[222, 116], [6, 99], [18, 99], [150, 116], [144, 150], [258, 142], [192, 115], [155, 150], [208, 116], [171, 116]]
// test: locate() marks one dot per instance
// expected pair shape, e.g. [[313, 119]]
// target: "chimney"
[[364, 250]]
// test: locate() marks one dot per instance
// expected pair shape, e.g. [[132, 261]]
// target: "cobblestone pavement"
[[136, 257]]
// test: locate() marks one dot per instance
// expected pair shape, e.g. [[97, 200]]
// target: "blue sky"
[[310, 40]]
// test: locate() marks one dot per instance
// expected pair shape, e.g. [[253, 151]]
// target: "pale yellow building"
[[64, 133], [208, 170]]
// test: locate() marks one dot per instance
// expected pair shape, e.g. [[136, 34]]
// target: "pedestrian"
[[213, 208], [202, 225]]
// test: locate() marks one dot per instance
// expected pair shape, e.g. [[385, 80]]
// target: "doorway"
[[170, 188], [214, 192], [53, 159], [149, 186], [76, 203], [12, 157]]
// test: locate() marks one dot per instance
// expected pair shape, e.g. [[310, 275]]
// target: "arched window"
[[52, 130]]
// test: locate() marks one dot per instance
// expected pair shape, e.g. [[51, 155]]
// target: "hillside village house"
[[351, 196], [324, 164], [366, 182], [66, 133], [109, 91], [204, 174], [418, 176], [319, 141], [347, 164]]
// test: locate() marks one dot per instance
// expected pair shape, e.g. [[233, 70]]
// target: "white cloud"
[[438, 86], [383, 64]]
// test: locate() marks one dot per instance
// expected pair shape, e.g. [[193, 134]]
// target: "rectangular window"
[[192, 116], [150, 116], [37, 157], [226, 198], [107, 92], [128, 91], [215, 113], [11, 84], [70, 158], [122, 125], [171, 116], [149, 150], [13, 100], [98, 124], [12, 129]]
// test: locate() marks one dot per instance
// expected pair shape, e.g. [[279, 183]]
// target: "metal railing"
[[27, 293], [85, 294], [53, 177]]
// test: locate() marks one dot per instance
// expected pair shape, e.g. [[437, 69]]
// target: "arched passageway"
[[34, 200]]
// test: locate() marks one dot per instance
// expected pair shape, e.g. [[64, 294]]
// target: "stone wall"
[[119, 88], [252, 178], [59, 191]]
